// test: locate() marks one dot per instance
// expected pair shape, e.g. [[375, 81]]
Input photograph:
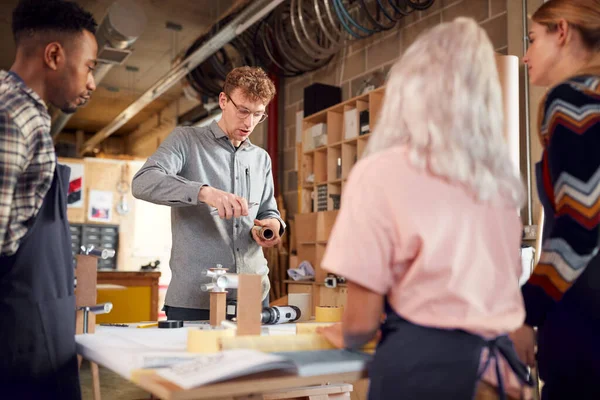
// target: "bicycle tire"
[[321, 22], [397, 6], [281, 39], [420, 6], [342, 20], [374, 21], [382, 8], [358, 26], [325, 52], [334, 21], [310, 46], [280, 68]]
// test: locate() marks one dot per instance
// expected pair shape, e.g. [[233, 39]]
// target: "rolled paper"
[[263, 232]]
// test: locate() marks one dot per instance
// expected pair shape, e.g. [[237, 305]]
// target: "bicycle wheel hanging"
[[297, 37]]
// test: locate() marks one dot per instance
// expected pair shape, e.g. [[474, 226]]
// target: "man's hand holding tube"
[[272, 224]]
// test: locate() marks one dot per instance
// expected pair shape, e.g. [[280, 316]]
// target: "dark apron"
[[37, 306], [568, 353], [414, 362]]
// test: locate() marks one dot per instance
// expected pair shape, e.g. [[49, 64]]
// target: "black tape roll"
[[170, 323]]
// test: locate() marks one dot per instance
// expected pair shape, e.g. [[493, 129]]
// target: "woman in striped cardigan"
[[562, 297]]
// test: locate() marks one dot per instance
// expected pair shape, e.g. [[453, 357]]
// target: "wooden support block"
[[249, 305], [87, 277], [218, 308], [86, 295], [310, 327], [279, 343]]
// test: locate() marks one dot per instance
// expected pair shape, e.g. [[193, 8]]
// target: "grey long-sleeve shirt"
[[188, 159]]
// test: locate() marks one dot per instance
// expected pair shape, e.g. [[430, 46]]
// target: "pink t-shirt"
[[443, 259]]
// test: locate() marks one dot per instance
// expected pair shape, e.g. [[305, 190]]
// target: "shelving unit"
[[330, 163], [326, 167]]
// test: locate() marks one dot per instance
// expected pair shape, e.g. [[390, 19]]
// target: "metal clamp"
[[91, 250], [103, 308], [221, 280], [332, 281]]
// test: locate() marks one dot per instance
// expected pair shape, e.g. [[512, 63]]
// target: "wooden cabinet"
[[137, 302]]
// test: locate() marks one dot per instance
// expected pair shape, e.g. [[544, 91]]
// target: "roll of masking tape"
[[328, 314], [206, 340]]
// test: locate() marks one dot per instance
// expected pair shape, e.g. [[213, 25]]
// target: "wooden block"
[[86, 273], [79, 322], [218, 308], [206, 340], [311, 327], [249, 305]]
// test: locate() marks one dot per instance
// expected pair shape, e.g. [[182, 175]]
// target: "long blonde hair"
[[443, 101]]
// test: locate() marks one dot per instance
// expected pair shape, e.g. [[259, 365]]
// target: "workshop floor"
[[112, 386]]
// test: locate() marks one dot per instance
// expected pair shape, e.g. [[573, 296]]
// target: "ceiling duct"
[[123, 24], [255, 10]]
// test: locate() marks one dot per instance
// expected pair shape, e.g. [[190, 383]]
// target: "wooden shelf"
[[329, 165], [320, 116]]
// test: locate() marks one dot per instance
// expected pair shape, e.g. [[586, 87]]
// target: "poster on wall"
[[75, 194], [100, 206]]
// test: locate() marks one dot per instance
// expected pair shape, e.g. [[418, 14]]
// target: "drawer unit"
[[103, 236]]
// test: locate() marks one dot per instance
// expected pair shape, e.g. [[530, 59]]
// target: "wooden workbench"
[[115, 348]]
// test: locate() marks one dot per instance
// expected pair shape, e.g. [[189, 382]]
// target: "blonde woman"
[[428, 232], [562, 297]]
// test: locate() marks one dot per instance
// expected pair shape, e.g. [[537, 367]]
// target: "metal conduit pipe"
[[123, 24], [256, 10]]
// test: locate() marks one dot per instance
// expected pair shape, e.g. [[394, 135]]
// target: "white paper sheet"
[[210, 368]]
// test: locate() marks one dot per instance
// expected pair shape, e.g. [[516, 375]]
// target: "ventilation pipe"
[[255, 10], [123, 24]]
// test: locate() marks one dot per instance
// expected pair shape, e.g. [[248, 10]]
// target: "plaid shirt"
[[27, 159]]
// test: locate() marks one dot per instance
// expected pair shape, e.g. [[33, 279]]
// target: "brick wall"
[[362, 58]]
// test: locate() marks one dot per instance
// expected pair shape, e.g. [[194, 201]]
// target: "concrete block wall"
[[362, 58]]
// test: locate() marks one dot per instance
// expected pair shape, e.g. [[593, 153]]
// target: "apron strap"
[[502, 346]]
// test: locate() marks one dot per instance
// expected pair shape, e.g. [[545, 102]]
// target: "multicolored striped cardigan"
[[570, 133]]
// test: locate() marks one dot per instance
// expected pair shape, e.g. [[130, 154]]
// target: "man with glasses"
[[219, 186]]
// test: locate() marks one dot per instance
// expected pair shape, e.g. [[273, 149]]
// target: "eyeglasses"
[[243, 113]]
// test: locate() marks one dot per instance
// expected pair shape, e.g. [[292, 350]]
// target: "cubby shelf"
[[331, 146]]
